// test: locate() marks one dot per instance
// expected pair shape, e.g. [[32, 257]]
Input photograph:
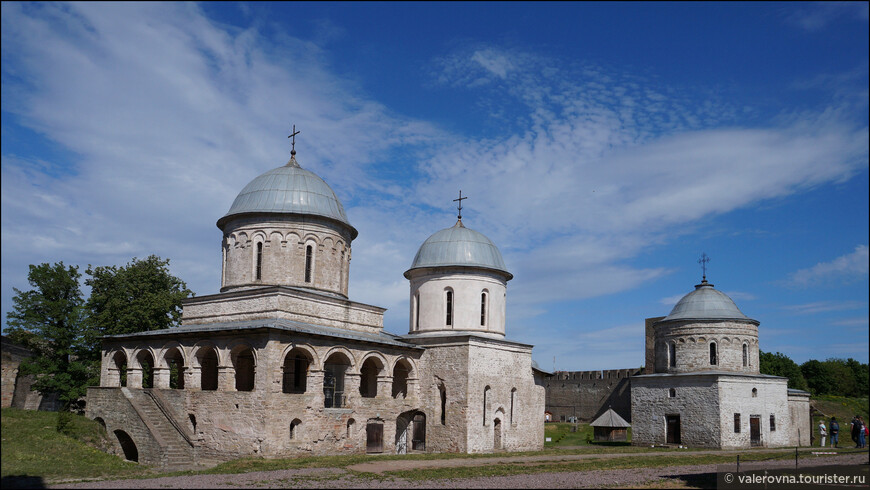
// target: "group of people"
[[860, 432]]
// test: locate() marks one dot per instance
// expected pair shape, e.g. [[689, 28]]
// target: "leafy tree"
[[819, 377], [48, 320], [780, 364], [861, 372], [138, 297]]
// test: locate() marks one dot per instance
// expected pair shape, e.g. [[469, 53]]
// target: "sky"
[[603, 148]]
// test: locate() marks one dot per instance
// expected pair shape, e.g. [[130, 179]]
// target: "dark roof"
[[381, 337]]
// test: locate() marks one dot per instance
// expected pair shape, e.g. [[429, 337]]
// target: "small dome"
[[289, 189], [459, 246], [706, 303]]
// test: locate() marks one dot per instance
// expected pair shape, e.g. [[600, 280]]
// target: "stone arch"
[[243, 240], [308, 349], [336, 364], [293, 238], [275, 238], [170, 347], [351, 423], [195, 352], [144, 361], [102, 423], [497, 436], [344, 351], [131, 453], [295, 429], [403, 370], [297, 362], [328, 243], [244, 360], [206, 357], [118, 367], [372, 367]]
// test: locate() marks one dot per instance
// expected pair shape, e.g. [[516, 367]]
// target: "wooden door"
[[754, 430], [673, 422], [374, 437], [418, 439]]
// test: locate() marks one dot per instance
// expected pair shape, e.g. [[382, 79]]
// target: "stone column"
[[226, 378], [351, 389], [161, 378], [113, 378], [314, 387], [385, 387], [413, 384], [134, 377], [192, 378]]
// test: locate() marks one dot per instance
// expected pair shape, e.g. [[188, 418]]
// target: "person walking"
[[862, 441], [835, 432], [823, 432], [854, 430]]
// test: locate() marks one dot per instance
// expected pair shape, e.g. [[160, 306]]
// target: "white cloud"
[[826, 306], [815, 16], [844, 268]]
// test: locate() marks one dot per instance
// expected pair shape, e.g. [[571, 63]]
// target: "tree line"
[[63, 328], [834, 376]]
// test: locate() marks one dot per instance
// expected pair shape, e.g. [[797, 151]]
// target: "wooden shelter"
[[610, 427]]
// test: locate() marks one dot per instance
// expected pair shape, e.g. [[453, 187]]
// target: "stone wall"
[[588, 394], [284, 243], [695, 400], [428, 300], [770, 398], [801, 423], [113, 409], [692, 341]]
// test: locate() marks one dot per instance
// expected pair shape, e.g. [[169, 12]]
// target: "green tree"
[[861, 372], [780, 364], [819, 377], [48, 320], [138, 297]]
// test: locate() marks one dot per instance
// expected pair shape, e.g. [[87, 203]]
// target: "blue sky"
[[603, 147]]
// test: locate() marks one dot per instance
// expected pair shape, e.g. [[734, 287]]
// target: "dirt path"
[[686, 476]]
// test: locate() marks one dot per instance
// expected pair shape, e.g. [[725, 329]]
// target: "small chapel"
[[702, 386], [281, 362]]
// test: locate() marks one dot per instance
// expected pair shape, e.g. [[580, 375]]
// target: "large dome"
[[289, 189], [706, 303], [459, 246]]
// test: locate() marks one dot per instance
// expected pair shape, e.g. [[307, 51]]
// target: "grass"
[[844, 408], [561, 436], [32, 448]]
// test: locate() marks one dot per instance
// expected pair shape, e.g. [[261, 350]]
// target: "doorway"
[[673, 423], [375, 436], [754, 430], [418, 440], [496, 434]]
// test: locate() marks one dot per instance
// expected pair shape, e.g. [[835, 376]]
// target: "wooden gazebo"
[[610, 427]]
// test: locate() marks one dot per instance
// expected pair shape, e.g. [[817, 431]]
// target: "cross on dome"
[[704, 260], [460, 203]]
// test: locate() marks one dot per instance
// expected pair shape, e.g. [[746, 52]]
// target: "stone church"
[[703, 387], [281, 362]]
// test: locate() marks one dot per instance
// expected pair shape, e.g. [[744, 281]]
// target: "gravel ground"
[[682, 476]]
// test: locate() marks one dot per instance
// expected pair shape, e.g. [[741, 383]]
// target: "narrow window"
[[714, 359], [350, 428], [443, 404], [754, 392], [485, 396], [449, 308], [672, 354], [482, 309], [308, 256], [513, 397], [417, 311], [745, 355], [672, 393], [772, 422], [294, 428], [259, 260], [736, 423]]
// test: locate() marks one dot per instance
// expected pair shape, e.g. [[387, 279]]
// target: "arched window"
[[175, 361], [294, 428], [401, 373], [295, 371], [745, 355], [513, 397], [243, 362], [368, 386], [714, 358], [309, 259], [146, 363], [350, 424], [259, 275], [120, 361], [334, 370], [672, 354], [417, 311], [483, 309], [754, 392], [208, 362], [449, 308], [443, 391]]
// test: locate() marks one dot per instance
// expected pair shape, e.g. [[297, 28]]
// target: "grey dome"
[[459, 246], [706, 303], [289, 189]]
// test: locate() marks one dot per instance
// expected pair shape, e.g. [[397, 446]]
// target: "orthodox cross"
[[460, 202], [293, 140], [703, 261]]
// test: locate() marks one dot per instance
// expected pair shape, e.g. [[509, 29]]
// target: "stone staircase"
[[177, 448]]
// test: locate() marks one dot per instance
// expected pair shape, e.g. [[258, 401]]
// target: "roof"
[[278, 324], [706, 303], [459, 246], [708, 373], [289, 189], [610, 419]]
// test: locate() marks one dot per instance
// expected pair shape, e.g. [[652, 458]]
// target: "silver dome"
[[706, 303], [459, 246], [289, 189]]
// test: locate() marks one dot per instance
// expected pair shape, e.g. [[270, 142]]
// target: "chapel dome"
[[289, 189], [459, 246], [706, 303]]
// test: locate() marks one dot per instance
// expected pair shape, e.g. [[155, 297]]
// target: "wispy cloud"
[[826, 306], [845, 268], [815, 16]]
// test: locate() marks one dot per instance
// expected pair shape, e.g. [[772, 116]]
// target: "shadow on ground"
[[22, 481]]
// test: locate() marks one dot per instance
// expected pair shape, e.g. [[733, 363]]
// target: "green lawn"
[[33, 447], [844, 408], [561, 436]]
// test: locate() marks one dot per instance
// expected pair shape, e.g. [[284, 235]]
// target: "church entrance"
[[673, 423], [410, 430], [418, 442], [754, 430], [496, 435], [375, 436]]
